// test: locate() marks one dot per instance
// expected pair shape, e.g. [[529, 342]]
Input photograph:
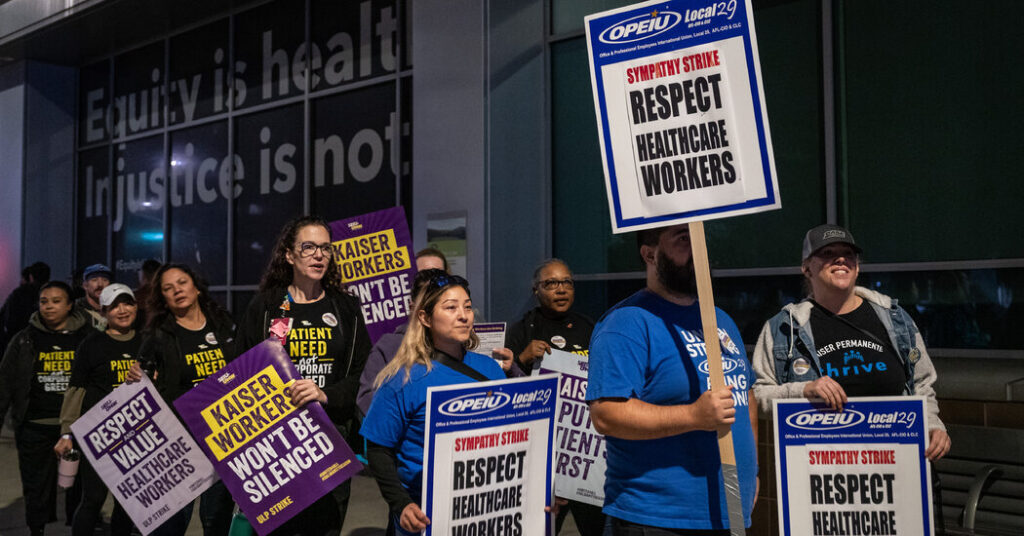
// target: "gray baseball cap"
[[824, 235]]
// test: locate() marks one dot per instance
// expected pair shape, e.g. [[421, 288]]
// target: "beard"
[[679, 278]]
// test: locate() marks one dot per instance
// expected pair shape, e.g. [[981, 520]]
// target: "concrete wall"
[[448, 123], [519, 188], [479, 140], [12, 146]]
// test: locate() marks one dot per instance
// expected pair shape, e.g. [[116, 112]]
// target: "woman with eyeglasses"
[[302, 304], [551, 324], [434, 352]]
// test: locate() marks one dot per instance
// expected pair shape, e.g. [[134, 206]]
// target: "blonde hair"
[[418, 344]]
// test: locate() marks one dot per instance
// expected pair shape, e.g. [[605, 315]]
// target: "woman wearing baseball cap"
[[102, 363], [844, 340]]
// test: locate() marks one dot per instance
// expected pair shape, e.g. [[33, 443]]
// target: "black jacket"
[[574, 327], [342, 387], [161, 351], [16, 370]]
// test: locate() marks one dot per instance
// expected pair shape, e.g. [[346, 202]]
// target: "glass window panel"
[[138, 90], [582, 232], [967, 309], [593, 298], [353, 148], [269, 145], [567, 15], [270, 53], [405, 158], [221, 297], [138, 229], [198, 189], [198, 73], [354, 41], [406, 40], [750, 301], [789, 43], [93, 103], [239, 302], [980, 309], [930, 129], [790, 63], [94, 193]]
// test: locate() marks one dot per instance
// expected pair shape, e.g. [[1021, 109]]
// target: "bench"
[[981, 497]]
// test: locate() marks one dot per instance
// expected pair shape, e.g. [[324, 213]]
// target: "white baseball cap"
[[111, 293]]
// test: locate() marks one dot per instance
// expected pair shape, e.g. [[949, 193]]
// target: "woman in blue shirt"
[[433, 352]]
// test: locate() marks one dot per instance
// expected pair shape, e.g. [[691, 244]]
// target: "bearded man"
[[649, 393]]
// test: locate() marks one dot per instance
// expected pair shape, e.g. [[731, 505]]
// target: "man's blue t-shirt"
[[398, 413], [653, 350]]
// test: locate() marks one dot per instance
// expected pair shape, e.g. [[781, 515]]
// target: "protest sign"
[[274, 458], [143, 454], [681, 113], [579, 449], [859, 471], [684, 136], [374, 255], [487, 458], [491, 334]]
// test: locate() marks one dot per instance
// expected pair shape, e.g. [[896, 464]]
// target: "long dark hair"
[[279, 272], [156, 306]]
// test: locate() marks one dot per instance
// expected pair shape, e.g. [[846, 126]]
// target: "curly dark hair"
[[279, 272], [156, 305]]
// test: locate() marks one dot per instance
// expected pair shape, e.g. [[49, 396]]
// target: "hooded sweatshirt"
[[36, 368]]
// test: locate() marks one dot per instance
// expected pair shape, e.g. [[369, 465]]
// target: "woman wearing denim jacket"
[[844, 340]]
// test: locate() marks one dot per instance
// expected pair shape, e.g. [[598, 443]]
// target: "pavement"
[[367, 511]]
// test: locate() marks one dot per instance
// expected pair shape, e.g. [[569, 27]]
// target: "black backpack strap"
[[459, 366]]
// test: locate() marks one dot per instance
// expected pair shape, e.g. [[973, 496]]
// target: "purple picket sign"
[[274, 458], [374, 255]]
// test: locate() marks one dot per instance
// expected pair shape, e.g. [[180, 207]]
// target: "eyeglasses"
[[442, 280], [552, 284], [308, 249]]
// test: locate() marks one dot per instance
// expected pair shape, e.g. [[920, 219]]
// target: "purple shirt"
[[381, 353]]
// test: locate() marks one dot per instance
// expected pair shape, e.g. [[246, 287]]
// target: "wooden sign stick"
[[713, 349]]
